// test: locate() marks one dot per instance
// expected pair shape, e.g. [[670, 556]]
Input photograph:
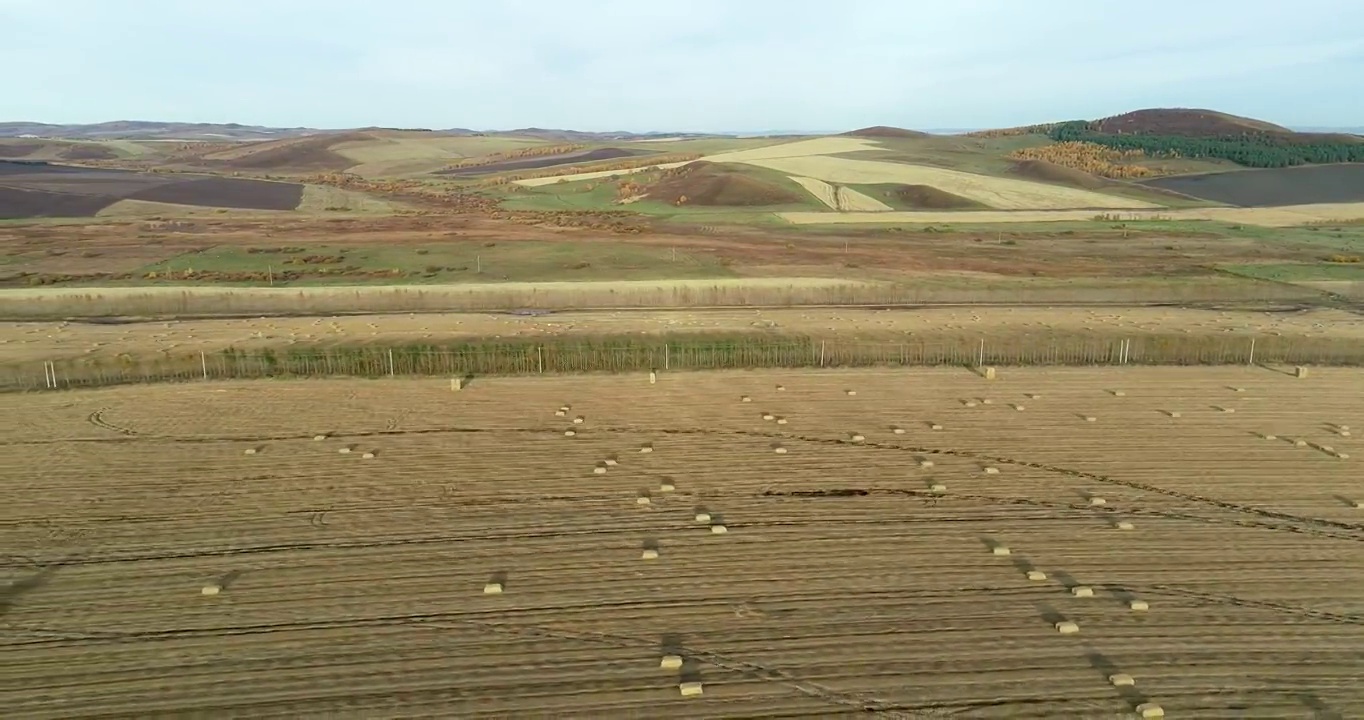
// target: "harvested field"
[[16, 203], [35, 342], [1286, 216], [850, 200], [995, 192], [227, 193], [352, 584], [823, 191], [534, 163], [310, 153], [931, 198], [709, 184], [1304, 185], [595, 174]]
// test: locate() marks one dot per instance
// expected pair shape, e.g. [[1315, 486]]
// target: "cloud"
[[704, 64]]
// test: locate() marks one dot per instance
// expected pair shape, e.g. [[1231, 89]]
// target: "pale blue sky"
[[676, 65]]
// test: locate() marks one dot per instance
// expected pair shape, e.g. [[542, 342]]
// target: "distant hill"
[[144, 130], [1185, 122], [885, 131]]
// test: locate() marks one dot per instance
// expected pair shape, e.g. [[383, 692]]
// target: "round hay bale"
[[670, 662], [649, 554], [1121, 680], [1344, 433], [991, 470], [690, 689], [319, 438], [779, 450], [781, 388], [999, 550], [251, 451], [1096, 501], [1228, 410], [1343, 456], [1067, 627], [570, 433], [492, 588], [1299, 443], [1271, 437], [718, 529], [1019, 408], [1119, 393], [703, 517], [1346, 428], [367, 456], [599, 470], [1175, 414], [855, 437], [898, 430], [611, 462], [781, 421], [1125, 525], [1091, 418], [579, 420], [986, 401], [1036, 575], [746, 399], [969, 403], [851, 392], [211, 589], [643, 500], [559, 413], [769, 416], [647, 448], [935, 426], [666, 487], [937, 487], [1149, 711], [344, 451], [1138, 605], [1033, 396], [925, 463], [1082, 591]]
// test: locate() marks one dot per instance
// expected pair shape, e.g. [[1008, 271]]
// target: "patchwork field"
[[332, 546], [1286, 216], [1266, 188], [40, 190]]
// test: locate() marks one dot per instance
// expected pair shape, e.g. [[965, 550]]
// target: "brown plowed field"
[[227, 193], [1343, 183], [353, 587], [533, 163]]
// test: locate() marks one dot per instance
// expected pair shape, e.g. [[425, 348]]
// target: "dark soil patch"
[[1270, 188], [927, 197], [885, 131], [704, 183], [535, 163], [19, 149], [1051, 172], [227, 193], [16, 203], [42, 177]]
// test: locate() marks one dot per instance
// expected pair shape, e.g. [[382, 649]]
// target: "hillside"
[[885, 131], [1185, 122], [145, 130], [715, 184]]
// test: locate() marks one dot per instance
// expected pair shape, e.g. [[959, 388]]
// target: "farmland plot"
[[860, 570]]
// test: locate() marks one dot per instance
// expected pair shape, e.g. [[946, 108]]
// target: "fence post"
[[667, 357], [391, 369], [203, 363], [540, 357], [1251, 361], [821, 352], [980, 357]]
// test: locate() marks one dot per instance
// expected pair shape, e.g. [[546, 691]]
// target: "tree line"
[[1257, 151]]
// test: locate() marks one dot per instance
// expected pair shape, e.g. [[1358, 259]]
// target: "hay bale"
[[1228, 409], [935, 426], [781, 388], [769, 416], [689, 689], [746, 399], [666, 487], [937, 487], [456, 384], [1138, 605], [367, 456], [1119, 393], [925, 463], [1036, 575], [718, 529], [1345, 428], [1033, 396], [319, 438], [649, 554], [611, 462], [1238, 389], [1358, 504], [599, 470], [1343, 456], [986, 401], [570, 433], [1124, 525], [1019, 408], [560, 413], [212, 589], [1082, 591], [1097, 501], [643, 500], [646, 448], [1299, 443], [653, 377], [779, 450], [781, 421], [251, 451], [857, 438], [990, 470], [670, 662], [988, 373], [703, 517], [1121, 680], [1174, 414], [1343, 433], [969, 403], [492, 588], [999, 550], [1067, 627], [579, 420], [851, 392], [1300, 372], [898, 430], [1150, 710], [1091, 418], [344, 450]]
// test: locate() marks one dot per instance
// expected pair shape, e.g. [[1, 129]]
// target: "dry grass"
[[840, 198], [1286, 216], [353, 587]]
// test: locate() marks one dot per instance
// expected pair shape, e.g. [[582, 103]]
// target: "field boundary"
[[633, 354]]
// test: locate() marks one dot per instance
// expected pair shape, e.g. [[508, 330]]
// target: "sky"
[[679, 65]]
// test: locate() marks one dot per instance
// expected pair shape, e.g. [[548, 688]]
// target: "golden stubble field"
[[857, 572]]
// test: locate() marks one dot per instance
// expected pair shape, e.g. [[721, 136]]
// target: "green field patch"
[[1300, 272]]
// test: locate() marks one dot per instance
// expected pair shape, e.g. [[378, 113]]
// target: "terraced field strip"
[[1286, 216], [850, 200], [856, 573], [823, 191]]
